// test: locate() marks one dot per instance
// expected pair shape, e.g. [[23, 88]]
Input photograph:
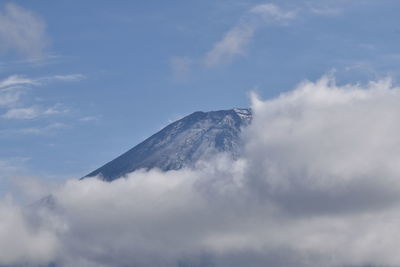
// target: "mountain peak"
[[244, 113], [182, 143]]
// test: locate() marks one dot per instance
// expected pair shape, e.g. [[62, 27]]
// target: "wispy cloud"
[[11, 165], [14, 86], [42, 130], [17, 80], [65, 78], [325, 11], [89, 118], [8, 98], [235, 41], [14, 107], [273, 13], [22, 32], [32, 112], [180, 67], [22, 113], [20, 80]]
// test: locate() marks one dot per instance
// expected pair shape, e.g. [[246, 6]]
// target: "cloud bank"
[[318, 185]]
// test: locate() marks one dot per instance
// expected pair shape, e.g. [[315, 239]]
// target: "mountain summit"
[[182, 143]]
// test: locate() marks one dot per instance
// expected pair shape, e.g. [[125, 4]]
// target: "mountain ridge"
[[182, 143]]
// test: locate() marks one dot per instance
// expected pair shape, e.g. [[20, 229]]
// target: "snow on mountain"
[[182, 143]]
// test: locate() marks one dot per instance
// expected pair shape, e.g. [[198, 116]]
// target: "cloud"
[[22, 113], [235, 41], [33, 112], [89, 118], [9, 98], [180, 67], [237, 38], [22, 32], [14, 107], [39, 129], [317, 185], [14, 86], [273, 13], [25, 243], [42, 129], [17, 80], [325, 11], [65, 78]]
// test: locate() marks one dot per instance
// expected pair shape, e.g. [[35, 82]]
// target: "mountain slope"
[[182, 143]]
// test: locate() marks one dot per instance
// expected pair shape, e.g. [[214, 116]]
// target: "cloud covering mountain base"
[[318, 185]]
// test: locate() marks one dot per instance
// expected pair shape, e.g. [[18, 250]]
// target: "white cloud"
[[26, 244], [9, 98], [33, 112], [66, 78], [325, 11], [237, 38], [54, 111], [14, 86], [318, 185], [273, 12], [14, 81], [17, 80], [22, 31], [39, 129], [89, 118], [15, 177], [232, 44], [43, 129], [22, 113]]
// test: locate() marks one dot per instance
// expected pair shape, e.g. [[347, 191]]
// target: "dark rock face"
[[182, 143]]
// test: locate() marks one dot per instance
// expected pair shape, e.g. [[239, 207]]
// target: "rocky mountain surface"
[[182, 143]]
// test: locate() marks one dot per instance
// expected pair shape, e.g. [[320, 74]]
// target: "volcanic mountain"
[[182, 143]]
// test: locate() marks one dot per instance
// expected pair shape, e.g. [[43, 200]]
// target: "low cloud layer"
[[318, 185]]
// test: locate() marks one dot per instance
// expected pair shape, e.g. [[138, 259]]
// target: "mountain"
[[182, 143]]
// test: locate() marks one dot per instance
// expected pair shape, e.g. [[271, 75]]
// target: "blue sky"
[[83, 81]]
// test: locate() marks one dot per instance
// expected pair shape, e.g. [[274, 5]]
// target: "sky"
[[81, 83], [317, 182]]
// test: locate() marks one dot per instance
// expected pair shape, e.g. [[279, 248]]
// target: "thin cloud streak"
[[20, 80], [46, 129], [43, 130], [17, 80], [32, 112]]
